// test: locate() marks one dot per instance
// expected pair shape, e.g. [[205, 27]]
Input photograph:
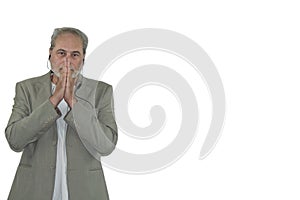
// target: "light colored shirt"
[[60, 184]]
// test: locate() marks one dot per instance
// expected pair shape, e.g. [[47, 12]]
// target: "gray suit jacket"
[[91, 133]]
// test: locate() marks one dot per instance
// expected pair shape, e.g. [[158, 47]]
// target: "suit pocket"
[[23, 165], [97, 184], [95, 170]]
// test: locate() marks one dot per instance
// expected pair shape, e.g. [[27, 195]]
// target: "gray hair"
[[77, 32]]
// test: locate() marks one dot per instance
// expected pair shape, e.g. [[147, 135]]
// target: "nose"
[[68, 60]]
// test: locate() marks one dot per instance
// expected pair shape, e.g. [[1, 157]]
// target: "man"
[[63, 123]]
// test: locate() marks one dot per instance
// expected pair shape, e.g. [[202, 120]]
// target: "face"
[[67, 53]]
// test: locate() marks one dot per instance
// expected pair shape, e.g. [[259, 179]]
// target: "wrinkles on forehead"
[[68, 42]]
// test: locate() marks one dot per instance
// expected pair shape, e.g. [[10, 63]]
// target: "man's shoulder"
[[38, 79], [96, 82]]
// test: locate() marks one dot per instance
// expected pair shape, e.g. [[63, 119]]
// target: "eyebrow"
[[67, 51]]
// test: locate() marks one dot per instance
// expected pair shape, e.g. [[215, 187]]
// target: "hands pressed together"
[[64, 88]]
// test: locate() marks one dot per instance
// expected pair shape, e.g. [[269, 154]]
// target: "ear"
[[50, 52]]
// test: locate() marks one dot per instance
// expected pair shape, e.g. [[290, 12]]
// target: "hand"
[[69, 88], [59, 92]]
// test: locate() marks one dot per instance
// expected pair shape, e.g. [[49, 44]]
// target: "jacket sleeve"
[[96, 126], [26, 126]]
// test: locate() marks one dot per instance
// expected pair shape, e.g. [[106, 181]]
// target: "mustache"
[[59, 71]]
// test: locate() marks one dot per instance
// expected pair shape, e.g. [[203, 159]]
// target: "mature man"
[[63, 123]]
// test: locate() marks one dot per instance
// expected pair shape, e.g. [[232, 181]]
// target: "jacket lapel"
[[42, 90]]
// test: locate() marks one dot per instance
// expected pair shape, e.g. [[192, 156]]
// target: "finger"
[[68, 72], [70, 81], [68, 76], [71, 77], [62, 77], [62, 80]]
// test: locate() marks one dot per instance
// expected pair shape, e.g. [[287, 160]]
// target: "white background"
[[255, 46]]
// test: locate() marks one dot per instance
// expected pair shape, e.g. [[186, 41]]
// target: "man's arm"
[[26, 126], [96, 127]]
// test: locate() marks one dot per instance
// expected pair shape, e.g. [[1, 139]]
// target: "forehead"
[[69, 42]]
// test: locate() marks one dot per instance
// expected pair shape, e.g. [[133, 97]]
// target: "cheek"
[[78, 64], [56, 62]]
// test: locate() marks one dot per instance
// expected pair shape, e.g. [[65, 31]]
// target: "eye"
[[61, 53], [75, 54]]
